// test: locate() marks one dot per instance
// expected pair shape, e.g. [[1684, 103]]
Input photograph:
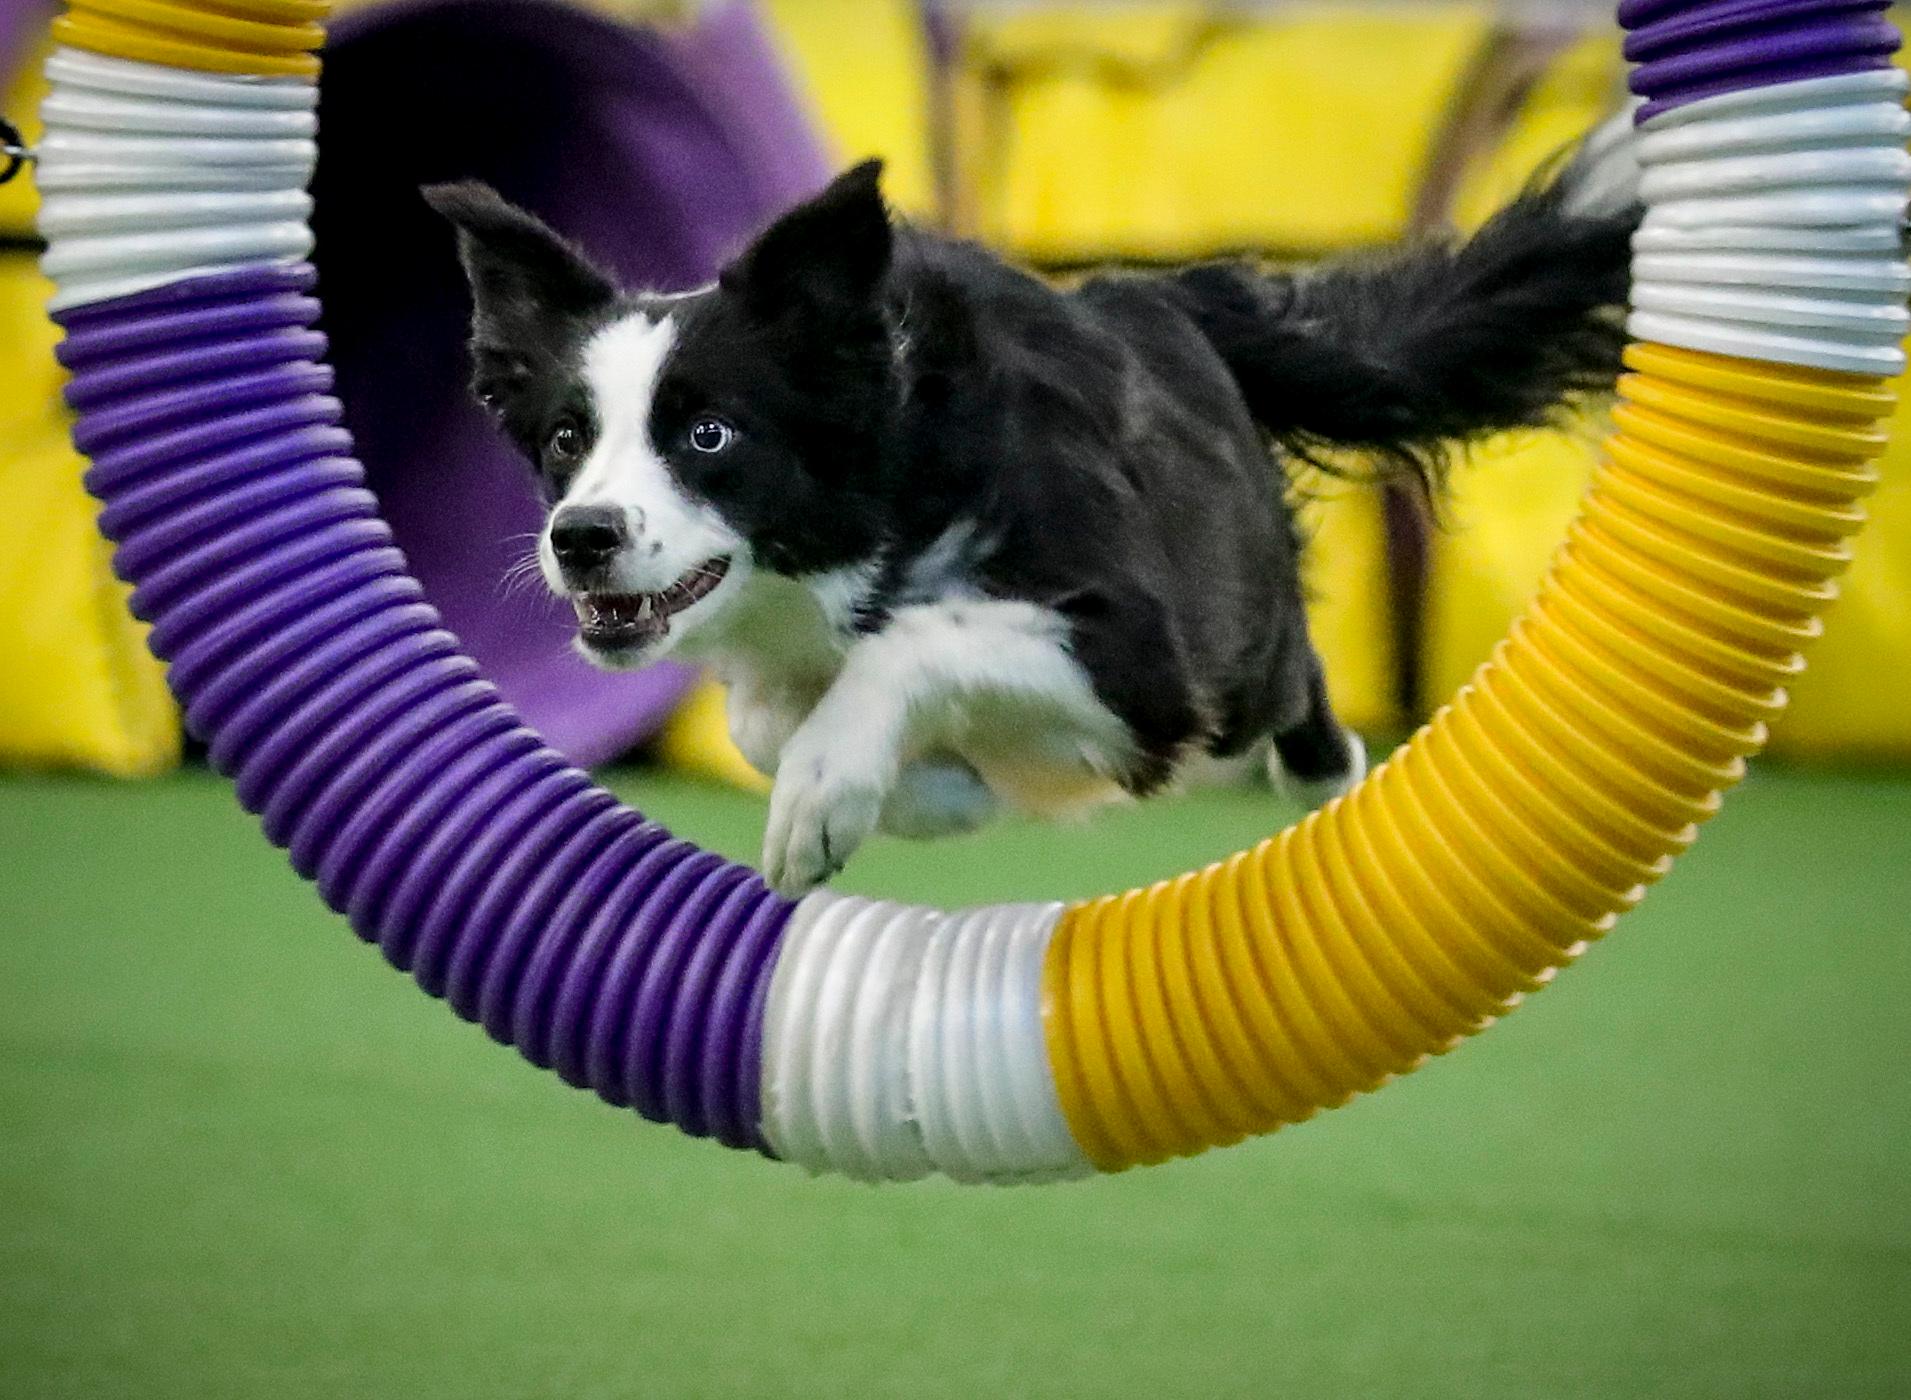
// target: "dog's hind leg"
[[1315, 758], [937, 798]]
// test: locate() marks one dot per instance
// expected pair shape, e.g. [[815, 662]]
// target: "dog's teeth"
[[646, 613]]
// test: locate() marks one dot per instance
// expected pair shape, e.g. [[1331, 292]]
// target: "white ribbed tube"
[[901, 1041], [149, 175], [1776, 224]]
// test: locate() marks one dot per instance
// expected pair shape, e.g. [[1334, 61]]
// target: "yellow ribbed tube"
[[1515, 826], [259, 38]]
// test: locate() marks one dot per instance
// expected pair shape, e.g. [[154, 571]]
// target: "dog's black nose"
[[585, 537]]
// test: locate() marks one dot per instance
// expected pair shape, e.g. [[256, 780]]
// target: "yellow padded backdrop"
[[1188, 136], [1093, 168]]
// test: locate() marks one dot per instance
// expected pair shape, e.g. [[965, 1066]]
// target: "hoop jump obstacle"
[[1013, 1042]]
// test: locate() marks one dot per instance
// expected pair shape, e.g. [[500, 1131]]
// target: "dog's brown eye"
[[711, 435], [565, 443]]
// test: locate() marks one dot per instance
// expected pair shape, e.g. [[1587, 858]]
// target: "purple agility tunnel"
[[661, 150]]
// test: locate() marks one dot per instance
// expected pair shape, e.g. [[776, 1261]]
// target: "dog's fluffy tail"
[[1404, 356]]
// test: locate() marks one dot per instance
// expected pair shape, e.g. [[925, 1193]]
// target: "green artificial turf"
[[239, 1157]]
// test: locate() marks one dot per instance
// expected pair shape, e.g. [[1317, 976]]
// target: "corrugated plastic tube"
[[1514, 828], [1011, 1042], [507, 883]]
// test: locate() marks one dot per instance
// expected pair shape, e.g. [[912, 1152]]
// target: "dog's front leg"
[[934, 671], [835, 773]]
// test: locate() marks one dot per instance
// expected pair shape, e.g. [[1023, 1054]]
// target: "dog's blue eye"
[[711, 435]]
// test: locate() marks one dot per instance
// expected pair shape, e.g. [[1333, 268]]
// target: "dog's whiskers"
[[523, 574]]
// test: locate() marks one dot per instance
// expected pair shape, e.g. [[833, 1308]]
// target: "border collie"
[[956, 539]]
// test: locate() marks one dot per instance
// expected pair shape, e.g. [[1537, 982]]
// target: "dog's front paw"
[[821, 810]]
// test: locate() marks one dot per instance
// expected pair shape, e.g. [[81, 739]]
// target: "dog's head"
[[688, 442]]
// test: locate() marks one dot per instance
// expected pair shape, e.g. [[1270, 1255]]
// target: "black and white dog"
[[955, 539]]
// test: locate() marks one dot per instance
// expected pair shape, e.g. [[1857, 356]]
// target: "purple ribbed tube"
[[1685, 29], [1636, 15], [630, 962], [1688, 52]]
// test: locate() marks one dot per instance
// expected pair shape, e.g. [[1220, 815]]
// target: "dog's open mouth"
[[616, 621]]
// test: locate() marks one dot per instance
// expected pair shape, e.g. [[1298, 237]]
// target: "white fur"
[[671, 533], [949, 706], [841, 593], [775, 651]]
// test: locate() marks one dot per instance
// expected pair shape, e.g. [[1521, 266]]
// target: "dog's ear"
[[824, 258], [530, 288]]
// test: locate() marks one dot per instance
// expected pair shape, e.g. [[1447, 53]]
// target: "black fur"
[[796, 350], [1102, 451], [1405, 356], [536, 299]]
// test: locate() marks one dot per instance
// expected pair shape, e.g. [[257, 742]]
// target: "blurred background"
[[235, 1154]]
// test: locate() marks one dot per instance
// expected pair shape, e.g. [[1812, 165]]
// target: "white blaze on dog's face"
[[644, 562]]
